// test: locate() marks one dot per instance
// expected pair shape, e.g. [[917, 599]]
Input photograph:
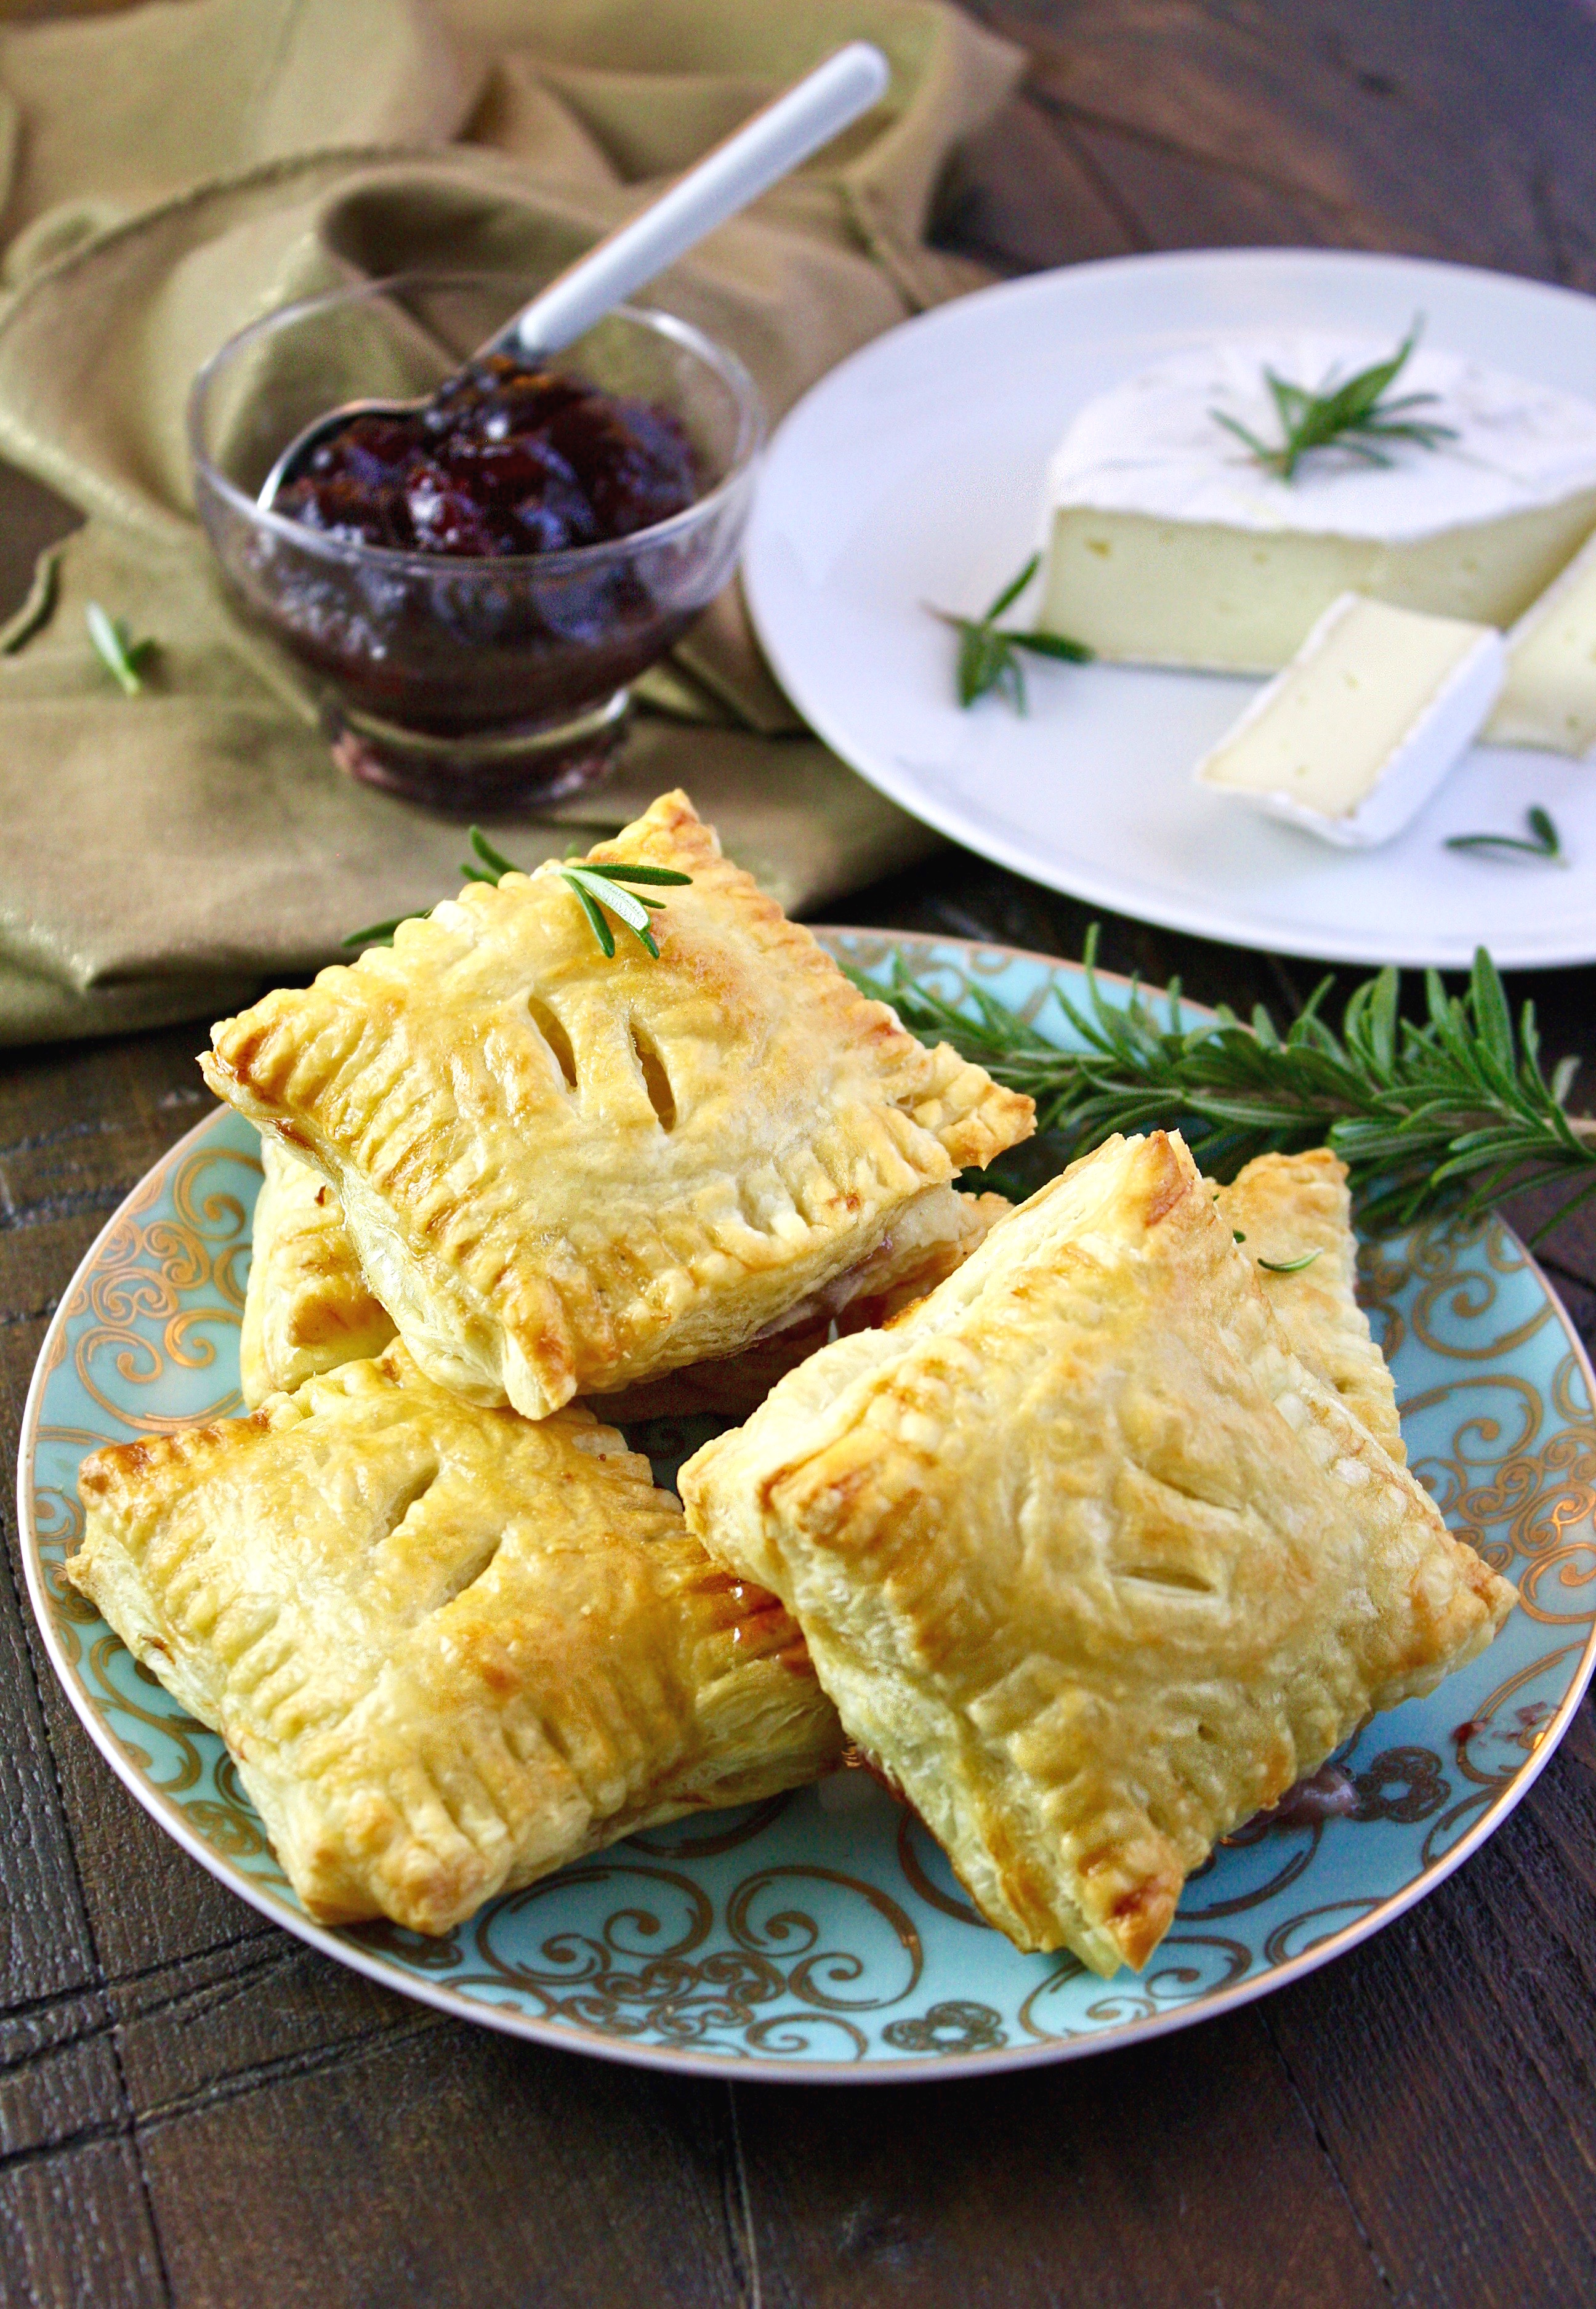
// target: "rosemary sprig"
[[1453, 1112], [122, 657], [596, 889], [986, 659], [1545, 842], [1353, 416]]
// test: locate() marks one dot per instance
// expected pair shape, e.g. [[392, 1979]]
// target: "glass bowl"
[[466, 683]]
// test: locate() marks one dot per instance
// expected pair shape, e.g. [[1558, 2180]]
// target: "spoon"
[[755, 157]]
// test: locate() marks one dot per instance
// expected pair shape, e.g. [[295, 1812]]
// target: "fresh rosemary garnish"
[[597, 887], [121, 656], [1353, 416], [1545, 842], [380, 933], [1290, 1266], [986, 659], [1453, 1112]]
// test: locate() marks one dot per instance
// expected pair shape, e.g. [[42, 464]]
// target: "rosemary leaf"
[[596, 886], [379, 933], [590, 907], [987, 660], [1013, 589], [1049, 645], [1545, 842], [610, 894], [121, 656], [1450, 1112], [495, 860], [1290, 1266], [1353, 416]]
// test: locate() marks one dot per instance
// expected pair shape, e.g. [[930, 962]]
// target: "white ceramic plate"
[[913, 473]]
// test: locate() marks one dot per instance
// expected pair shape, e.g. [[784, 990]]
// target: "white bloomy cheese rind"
[[1170, 544], [1548, 699], [1354, 737]]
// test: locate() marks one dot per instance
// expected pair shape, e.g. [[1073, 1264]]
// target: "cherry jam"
[[504, 459]]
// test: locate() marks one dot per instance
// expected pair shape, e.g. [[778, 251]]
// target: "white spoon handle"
[[748, 163]]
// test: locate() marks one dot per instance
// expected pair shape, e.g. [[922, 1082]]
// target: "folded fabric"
[[174, 173]]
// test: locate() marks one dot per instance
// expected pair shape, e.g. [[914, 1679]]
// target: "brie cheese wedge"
[[1549, 698], [1354, 737], [1168, 543]]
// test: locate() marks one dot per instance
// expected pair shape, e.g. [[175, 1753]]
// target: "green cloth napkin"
[[171, 173]]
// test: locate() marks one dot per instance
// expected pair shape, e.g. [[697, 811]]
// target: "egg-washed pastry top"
[[307, 1307], [1288, 1207], [448, 1649], [564, 1172], [1093, 1566]]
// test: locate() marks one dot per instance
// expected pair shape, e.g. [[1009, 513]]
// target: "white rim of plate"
[[729, 2068], [1088, 883]]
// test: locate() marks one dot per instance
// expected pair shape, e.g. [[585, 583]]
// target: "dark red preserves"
[[504, 459]]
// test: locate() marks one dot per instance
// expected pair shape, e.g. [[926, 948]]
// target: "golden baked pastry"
[[562, 1173], [1284, 1205], [449, 1649], [307, 1307], [933, 1235], [1093, 1566], [931, 1242]]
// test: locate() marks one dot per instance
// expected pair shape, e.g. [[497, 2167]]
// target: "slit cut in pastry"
[[562, 1173], [1093, 1566], [448, 1649], [1284, 1206], [307, 1307]]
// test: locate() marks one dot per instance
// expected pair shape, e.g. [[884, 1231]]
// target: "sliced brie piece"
[[1354, 737], [1549, 698], [1170, 544]]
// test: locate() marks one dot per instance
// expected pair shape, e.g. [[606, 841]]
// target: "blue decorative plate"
[[822, 1935]]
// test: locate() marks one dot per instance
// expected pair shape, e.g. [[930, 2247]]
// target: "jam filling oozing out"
[[504, 459]]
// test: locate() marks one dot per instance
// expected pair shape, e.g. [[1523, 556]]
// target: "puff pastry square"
[[1286, 1204], [307, 1307], [1093, 1566], [448, 1649], [562, 1173]]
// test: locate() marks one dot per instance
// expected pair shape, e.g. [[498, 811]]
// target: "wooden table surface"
[[196, 2109]]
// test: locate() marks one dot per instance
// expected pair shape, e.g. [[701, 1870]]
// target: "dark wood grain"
[[436, 2165], [1102, 2175], [1448, 2064], [195, 2109], [1444, 131]]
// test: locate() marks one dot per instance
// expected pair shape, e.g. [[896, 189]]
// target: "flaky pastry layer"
[[448, 1649], [307, 1307], [563, 1173], [1287, 1207], [1093, 1566], [930, 1237]]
